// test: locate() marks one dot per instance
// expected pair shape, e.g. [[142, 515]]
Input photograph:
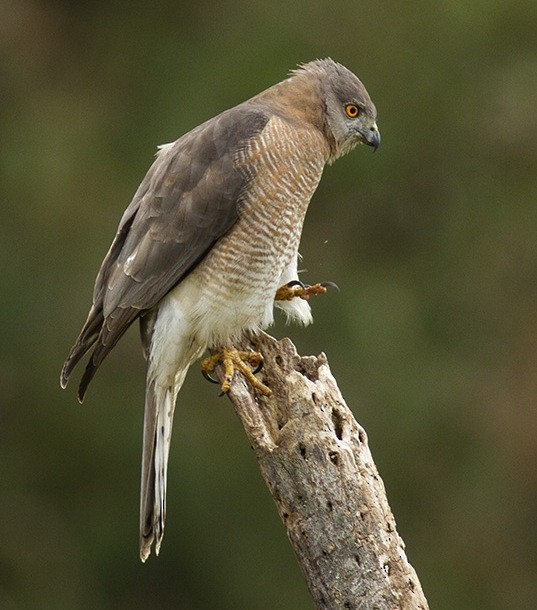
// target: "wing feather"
[[189, 198]]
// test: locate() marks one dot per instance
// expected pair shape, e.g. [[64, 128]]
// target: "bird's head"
[[349, 115]]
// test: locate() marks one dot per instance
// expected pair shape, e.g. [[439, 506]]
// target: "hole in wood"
[[334, 457], [338, 422]]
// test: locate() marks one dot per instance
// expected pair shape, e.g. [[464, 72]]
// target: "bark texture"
[[316, 462]]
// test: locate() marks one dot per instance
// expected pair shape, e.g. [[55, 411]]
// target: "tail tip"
[[145, 550]]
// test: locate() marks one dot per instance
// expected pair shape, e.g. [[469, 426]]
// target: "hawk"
[[209, 244]]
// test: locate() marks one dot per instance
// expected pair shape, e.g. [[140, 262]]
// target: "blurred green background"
[[433, 337]]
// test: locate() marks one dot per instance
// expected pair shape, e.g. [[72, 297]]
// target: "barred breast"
[[240, 275]]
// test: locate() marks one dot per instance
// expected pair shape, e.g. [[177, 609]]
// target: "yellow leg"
[[233, 360]]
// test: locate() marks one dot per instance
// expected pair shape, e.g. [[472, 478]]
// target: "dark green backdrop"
[[433, 337]]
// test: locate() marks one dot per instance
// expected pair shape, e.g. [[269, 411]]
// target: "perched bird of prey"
[[209, 244]]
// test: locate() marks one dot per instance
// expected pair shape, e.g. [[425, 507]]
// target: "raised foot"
[[297, 289], [235, 360]]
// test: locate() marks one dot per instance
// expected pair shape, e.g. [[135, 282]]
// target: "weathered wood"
[[316, 462]]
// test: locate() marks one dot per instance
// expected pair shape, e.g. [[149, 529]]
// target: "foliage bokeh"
[[433, 337]]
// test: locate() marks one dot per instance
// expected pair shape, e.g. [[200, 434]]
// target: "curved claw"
[[330, 285], [209, 378], [296, 283], [258, 367]]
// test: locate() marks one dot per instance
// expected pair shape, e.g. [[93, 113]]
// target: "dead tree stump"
[[316, 462]]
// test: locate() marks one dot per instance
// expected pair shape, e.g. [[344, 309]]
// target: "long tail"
[[158, 421]]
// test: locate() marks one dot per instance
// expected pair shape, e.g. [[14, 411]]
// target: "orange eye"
[[352, 110]]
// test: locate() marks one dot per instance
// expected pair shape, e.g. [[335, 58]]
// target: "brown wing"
[[189, 198]]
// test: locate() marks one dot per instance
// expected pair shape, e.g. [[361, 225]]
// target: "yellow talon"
[[233, 360]]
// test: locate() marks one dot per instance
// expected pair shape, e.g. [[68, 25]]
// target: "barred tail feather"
[[158, 421]]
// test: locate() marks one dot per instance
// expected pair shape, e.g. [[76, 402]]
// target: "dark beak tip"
[[373, 139]]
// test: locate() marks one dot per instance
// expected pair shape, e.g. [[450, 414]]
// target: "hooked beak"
[[372, 136]]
